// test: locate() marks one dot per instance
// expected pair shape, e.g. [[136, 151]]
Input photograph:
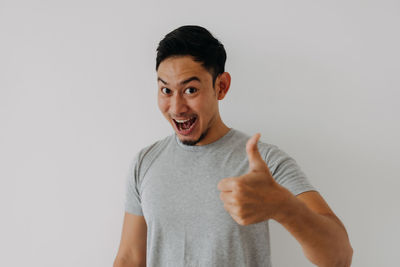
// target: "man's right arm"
[[132, 249]]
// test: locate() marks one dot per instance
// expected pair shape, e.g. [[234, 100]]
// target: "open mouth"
[[185, 126]]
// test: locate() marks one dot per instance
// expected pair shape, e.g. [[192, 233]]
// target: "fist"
[[255, 196]]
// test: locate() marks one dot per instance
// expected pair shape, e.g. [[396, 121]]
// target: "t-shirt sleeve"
[[132, 195], [287, 172]]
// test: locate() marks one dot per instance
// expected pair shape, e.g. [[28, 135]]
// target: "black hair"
[[195, 41]]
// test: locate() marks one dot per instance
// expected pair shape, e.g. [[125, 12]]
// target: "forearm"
[[323, 238], [123, 262]]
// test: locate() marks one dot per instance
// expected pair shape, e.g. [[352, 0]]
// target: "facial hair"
[[194, 142]]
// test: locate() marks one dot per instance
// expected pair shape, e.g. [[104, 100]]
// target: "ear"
[[222, 84]]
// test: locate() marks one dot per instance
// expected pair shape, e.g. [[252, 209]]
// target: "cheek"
[[205, 111], [206, 106], [162, 104]]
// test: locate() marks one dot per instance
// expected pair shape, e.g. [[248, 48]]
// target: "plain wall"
[[320, 79]]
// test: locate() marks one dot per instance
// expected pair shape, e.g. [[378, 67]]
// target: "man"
[[203, 195]]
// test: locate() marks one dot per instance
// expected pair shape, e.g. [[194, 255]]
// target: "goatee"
[[194, 142]]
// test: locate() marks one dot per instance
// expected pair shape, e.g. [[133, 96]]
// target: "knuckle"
[[238, 187], [242, 221], [241, 211]]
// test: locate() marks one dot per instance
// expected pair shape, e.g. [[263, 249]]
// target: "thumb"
[[256, 162]]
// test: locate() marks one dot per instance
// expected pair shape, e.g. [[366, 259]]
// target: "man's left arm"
[[321, 234], [256, 196]]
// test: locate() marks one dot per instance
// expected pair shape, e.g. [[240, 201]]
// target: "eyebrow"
[[194, 78]]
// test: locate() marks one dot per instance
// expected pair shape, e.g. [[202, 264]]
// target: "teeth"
[[182, 121]]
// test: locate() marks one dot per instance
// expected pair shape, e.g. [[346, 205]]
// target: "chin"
[[192, 142], [186, 140]]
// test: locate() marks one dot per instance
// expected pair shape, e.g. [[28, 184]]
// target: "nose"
[[178, 105]]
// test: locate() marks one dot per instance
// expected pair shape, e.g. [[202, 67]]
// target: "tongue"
[[186, 125]]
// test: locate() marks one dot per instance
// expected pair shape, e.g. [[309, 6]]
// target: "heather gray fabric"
[[175, 187]]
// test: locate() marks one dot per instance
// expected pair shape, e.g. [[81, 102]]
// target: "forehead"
[[176, 68]]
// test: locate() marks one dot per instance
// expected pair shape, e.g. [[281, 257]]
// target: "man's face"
[[186, 98]]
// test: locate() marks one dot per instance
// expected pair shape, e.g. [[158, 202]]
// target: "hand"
[[255, 196]]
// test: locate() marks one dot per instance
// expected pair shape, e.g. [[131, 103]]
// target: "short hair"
[[195, 41]]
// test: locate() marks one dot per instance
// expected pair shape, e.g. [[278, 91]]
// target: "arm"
[[321, 234], [132, 249], [256, 196]]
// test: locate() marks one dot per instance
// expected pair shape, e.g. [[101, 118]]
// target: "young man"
[[203, 195]]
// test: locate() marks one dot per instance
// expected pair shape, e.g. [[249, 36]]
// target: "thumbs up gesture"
[[255, 196]]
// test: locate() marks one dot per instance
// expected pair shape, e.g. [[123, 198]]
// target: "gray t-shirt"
[[174, 186]]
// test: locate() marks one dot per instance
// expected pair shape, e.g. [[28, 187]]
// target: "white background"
[[320, 79]]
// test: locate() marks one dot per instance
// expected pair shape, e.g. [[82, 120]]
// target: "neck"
[[214, 133]]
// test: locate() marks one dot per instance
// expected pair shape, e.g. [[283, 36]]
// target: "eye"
[[165, 90], [191, 90]]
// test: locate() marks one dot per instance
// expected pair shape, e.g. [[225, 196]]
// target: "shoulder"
[[151, 151], [271, 153], [267, 150], [141, 160]]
